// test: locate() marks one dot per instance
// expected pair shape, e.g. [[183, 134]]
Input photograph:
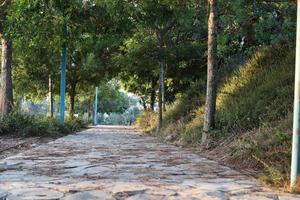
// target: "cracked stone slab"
[[115, 162]]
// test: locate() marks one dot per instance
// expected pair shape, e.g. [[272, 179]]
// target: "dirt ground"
[[11, 145]]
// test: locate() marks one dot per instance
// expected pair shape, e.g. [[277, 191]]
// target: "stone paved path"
[[118, 163]]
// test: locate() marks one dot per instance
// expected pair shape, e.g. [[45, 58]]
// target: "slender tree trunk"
[[160, 96], [72, 95], [143, 102], [211, 93], [164, 100], [51, 109], [160, 37], [6, 87], [153, 93], [163, 94]]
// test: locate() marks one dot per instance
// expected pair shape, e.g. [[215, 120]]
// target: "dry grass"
[[146, 122], [296, 188]]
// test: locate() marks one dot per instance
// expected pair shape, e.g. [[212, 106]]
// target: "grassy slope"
[[254, 121]]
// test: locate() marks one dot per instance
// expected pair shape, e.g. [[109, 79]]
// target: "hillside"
[[254, 115]]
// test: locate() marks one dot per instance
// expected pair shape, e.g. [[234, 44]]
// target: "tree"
[[36, 30], [6, 87], [160, 19], [211, 91], [111, 99], [94, 34], [138, 65]]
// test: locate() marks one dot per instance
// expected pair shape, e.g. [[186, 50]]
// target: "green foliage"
[[111, 99], [24, 125], [246, 24], [181, 24]]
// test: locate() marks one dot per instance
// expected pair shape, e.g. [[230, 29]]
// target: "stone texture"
[[119, 163], [35, 194], [90, 195], [3, 195]]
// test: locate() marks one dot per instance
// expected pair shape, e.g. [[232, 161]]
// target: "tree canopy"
[[126, 40]]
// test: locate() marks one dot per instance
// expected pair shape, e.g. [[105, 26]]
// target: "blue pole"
[[63, 78], [295, 167], [96, 108]]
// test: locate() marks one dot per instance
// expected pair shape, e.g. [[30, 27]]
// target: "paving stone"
[[3, 195], [291, 197], [107, 162], [217, 194], [251, 197], [35, 194], [90, 195]]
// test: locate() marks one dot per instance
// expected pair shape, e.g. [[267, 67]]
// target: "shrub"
[[147, 121], [20, 124]]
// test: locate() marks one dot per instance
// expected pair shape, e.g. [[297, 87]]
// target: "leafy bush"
[[20, 124]]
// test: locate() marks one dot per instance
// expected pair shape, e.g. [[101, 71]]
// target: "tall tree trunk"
[[50, 86], [153, 93], [162, 76], [160, 96], [163, 94], [164, 100], [160, 37], [211, 93], [72, 95], [6, 88]]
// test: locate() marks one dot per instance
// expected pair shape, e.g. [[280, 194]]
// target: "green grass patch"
[[260, 91]]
